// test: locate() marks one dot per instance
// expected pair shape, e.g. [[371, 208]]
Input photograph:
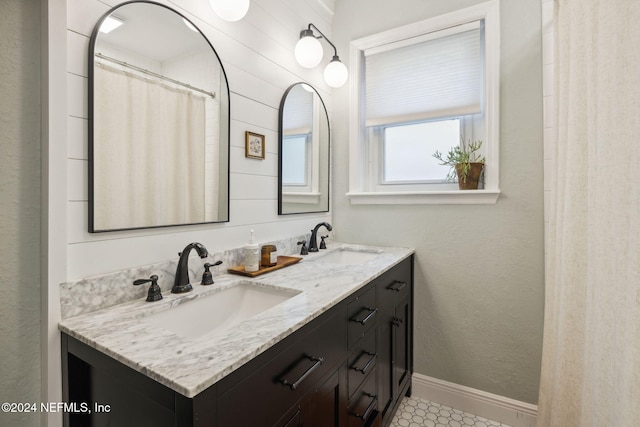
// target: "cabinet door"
[[401, 338], [292, 419], [384, 362], [325, 405]]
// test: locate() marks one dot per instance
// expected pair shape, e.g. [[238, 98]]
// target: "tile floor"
[[414, 412]]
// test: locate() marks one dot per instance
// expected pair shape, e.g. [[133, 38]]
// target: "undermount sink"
[[220, 310], [346, 256]]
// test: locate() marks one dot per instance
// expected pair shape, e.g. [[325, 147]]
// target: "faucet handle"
[[323, 245], [303, 249], [207, 276], [154, 294]]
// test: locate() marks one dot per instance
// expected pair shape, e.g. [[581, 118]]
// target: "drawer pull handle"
[[396, 321], [372, 312], [397, 286], [294, 385], [367, 365], [370, 407]]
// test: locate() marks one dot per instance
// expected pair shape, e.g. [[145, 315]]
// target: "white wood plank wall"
[[257, 54]]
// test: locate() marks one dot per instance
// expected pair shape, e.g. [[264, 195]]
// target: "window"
[[296, 154], [407, 151], [418, 89]]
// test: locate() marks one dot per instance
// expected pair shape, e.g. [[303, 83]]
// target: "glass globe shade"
[[230, 10], [308, 52], [336, 73]]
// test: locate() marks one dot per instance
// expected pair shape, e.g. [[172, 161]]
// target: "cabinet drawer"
[[395, 283], [362, 312], [362, 360], [364, 404], [264, 395]]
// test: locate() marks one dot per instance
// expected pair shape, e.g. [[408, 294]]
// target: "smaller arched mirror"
[[303, 154], [158, 122]]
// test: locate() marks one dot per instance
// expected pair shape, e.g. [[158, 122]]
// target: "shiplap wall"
[[257, 54]]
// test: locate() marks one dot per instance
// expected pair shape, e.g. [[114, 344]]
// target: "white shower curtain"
[[149, 150], [591, 352]]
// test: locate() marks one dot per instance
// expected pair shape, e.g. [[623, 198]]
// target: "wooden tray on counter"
[[283, 261]]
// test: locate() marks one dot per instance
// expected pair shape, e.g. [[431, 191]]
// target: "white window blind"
[[298, 112], [431, 76]]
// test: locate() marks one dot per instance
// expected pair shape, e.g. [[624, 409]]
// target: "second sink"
[[220, 310], [346, 256]]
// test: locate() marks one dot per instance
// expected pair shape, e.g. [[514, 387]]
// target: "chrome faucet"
[[181, 283], [313, 243]]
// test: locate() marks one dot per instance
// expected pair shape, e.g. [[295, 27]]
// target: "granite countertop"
[[190, 365]]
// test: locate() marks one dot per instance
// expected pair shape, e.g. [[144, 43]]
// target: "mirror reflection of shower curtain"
[[150, 139]]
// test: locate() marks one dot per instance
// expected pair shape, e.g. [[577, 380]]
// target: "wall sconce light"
[[230, 10], [309, 53]]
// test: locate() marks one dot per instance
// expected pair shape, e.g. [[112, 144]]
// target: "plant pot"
[[472, 178]]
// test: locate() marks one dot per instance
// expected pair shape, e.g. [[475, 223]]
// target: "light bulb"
[[336, 73], [308, 50], [230, 10]]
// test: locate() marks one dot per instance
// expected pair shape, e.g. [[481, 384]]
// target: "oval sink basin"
[[346, 256], [219, 311]]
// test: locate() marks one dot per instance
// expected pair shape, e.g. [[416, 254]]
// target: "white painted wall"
[[20, 208], [479, 269], [257, 53]]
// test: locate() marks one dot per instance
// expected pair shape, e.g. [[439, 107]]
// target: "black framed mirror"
[[159, 120], [303, 152]]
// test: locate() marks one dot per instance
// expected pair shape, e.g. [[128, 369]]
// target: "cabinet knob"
[[396, 321]]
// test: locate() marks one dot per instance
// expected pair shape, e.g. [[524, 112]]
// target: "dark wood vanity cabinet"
[[349, 367]]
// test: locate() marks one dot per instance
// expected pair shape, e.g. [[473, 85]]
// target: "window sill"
[[455, 197], [301, 198]]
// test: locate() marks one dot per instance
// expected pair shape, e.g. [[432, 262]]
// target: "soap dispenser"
[[251, 255]]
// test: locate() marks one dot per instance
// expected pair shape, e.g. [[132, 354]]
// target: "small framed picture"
[[254, 145]]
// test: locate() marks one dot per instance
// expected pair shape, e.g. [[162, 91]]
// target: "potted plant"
[[465, 162]]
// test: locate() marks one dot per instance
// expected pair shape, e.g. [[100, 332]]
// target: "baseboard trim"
[[478, 402]]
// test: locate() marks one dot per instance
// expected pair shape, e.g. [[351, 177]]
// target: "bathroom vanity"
[[336, 352]]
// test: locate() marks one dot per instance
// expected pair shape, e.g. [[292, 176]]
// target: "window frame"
[[363, 164]]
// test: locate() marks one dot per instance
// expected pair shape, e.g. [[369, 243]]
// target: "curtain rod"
[[151, 73]]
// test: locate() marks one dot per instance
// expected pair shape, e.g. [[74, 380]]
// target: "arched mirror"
[[303, 155], [158, 122]]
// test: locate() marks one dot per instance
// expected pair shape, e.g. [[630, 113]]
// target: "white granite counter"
[[190, 365]]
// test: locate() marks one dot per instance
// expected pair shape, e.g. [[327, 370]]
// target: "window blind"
[[298, 112], [432, 76]]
